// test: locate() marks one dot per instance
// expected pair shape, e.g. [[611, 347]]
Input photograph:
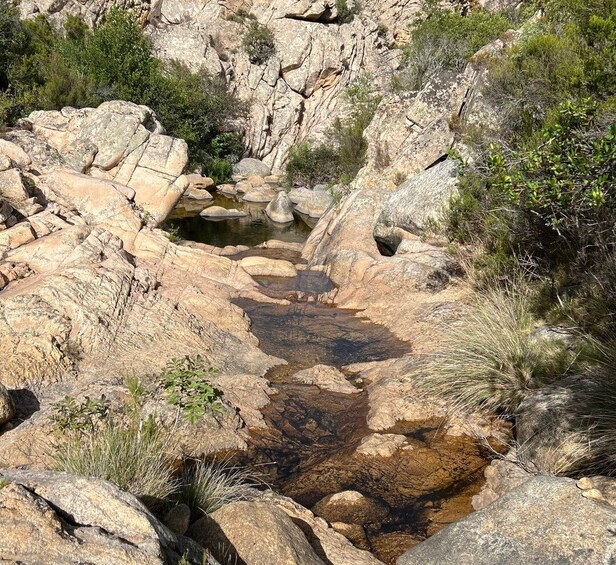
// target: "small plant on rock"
[[73, 416], [187, 383], [259, 43], [133, 455]]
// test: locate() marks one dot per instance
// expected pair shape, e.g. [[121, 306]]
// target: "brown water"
[[309, 446], [308, 450]]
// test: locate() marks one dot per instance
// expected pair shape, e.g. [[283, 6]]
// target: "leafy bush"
[[494, 358], [445, 40], [82, 67], [133, 456], [70, 415], [186, 383], [309, 165], [206, 487], [259, 43], [219, 170]]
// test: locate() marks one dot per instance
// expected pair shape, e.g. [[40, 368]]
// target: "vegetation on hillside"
[[41, 68], [444, 40], [536, 209], [340, 158]]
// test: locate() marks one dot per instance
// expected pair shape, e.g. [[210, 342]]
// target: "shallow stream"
[[308, 450]]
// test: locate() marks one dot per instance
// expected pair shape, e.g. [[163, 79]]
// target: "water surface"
[[251, 230]]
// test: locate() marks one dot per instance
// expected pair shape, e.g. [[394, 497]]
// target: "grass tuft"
[[134, 457], [495, 357], [206, 487]]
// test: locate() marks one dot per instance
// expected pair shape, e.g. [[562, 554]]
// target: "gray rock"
[[60, 518], [315, 204], [178, 519], [546, 520], [416, 201], [280, 209], [248, 166], [7, 408], [351, 507]]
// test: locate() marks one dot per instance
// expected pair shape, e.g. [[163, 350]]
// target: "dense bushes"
[[541, 195], [43, 69], [344, 153], [445, 40]]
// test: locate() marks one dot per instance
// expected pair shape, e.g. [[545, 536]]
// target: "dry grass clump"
[[206, 487], [494, 357], [594, 405], [133, 456]]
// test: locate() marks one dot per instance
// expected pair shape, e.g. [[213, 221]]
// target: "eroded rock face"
[[61, 518], [574, 529], [87, 292], [293, 96], [121, 142]]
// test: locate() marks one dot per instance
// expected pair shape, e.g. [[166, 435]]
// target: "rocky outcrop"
[[296, 94], [545, 520], [417, 201], [87, 292], [120, 142], [61, 519]]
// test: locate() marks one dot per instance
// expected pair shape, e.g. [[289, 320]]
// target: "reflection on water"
[[307, 334], [250, 230]]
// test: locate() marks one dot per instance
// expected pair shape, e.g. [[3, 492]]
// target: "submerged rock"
[[381, 445], [326, 378], [218, 212], [280, 209], [351, 507]]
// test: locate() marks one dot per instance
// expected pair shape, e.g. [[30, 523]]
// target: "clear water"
[[250, 230]]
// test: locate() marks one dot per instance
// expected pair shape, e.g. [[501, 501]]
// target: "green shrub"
[[346, 14], [309, 165], [259, 43], [134, 456], [219, 170], [72, 416], [445, 40], [341, 158], [81, 67], [186, 382], [494, 358], [206, 487]]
